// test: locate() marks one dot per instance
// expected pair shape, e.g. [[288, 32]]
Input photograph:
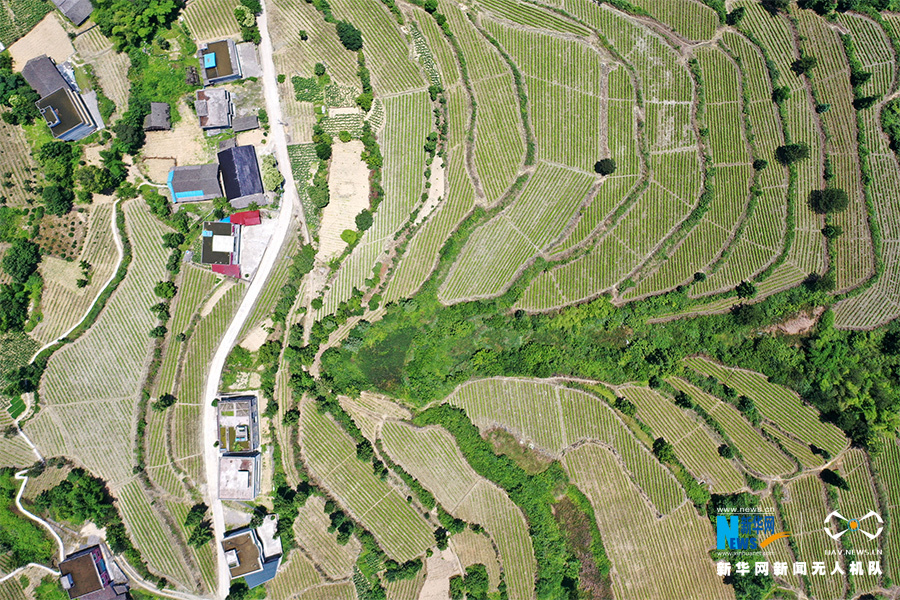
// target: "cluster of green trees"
[[199, 526], [16, 94], [473, 586], [20, 262], [245, 14], [129, 23], [24, 540]]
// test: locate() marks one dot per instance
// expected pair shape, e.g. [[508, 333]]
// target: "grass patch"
[[505, 443]]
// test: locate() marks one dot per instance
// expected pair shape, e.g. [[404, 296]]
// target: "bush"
[[58, 199], [832, 231], [165, 289], [165, 401], [606, 166], [350, 36], [725, 451], [759, 164], [780, 94], [829, 200], [663, 450], [745, 289], [804, 65], [172, 239], [350, 236], [319, 69], [735, 17], [364, 220]]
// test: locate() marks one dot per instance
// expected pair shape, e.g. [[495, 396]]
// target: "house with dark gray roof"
[[245, 123], [41, 74], [159, 117], [219, 62], [214, 108], [63, 109], [241, 176], [194, 183], [76, 11]]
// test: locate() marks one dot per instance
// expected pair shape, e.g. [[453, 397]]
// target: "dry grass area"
[[349, 186], [184, 143], [63, 302], [48, 37], [157, 169], [110, 67]]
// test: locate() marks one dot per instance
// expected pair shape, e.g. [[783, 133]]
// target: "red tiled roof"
[[230, 270], [249, 217]]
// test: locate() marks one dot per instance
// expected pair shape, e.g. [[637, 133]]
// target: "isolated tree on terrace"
[[745, 289], [804, 65], [791, 153], [606, 166], [663, 450]]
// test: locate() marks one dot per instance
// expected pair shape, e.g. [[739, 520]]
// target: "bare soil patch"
[[349, 186], [254, 137], [440, 567], [435, 192], [157, 169], [217, 295], [802, 323], [48, 37], [257, 337]]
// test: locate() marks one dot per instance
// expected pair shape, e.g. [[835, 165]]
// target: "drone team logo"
[[846, 525], [746, 532]]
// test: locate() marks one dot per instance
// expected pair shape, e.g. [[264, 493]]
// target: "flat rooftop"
[[238, 424], [238, 477], [242, 554]]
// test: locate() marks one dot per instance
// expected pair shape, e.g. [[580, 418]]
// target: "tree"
[[364, 219], [165, 289], [832, 232], [725, 451], [21, 260], [735, 17], [775, 6], [254, 5], [431, 6], [173, 239], [605, 166], [271, 176], [804, 64], [319, 69], [832, 478], [747, 314], [864, 103], [759, 164], [13, 308], [57, 199], [663, 450], [303, 35], [745, 289], [164, 402], [96, 180], [291, 417], [829, 200], [791, 153], [858, 78], [350, 36]]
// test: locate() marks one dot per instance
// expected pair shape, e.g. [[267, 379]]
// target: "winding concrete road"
[[290, 205]]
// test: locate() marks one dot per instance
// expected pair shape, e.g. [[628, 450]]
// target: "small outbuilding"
[[246, 123], [159, 118]]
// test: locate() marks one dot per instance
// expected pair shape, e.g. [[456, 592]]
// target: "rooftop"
[[238, 477], [77, 11], [219, 61], [240, 172], [194, 182], [158, 118], [238, 424], [41, 74], [220, 243], [242, 553], [84, 575], [64, 111], [214, 109]]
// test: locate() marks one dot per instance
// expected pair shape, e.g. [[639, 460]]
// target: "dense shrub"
[[350, 36]]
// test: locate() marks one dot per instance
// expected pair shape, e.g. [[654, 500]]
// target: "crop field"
[[150, 534], [18, 17], [329, 591], [757, 453], [529, 225], [432, 456], [311, 530], [210, 20], [636, 541], [556, 418], [380, 507], [499, 143], [884, 466], [14, 451], [408, 120], [777, 404], [195, 284], [118, 345], [693, 444], [476, 549], [802, 509], [294, 576], [390, 59], [780, 552], [855, 503], [63, 304], [11, 589], [16, 160], [110, 67]]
